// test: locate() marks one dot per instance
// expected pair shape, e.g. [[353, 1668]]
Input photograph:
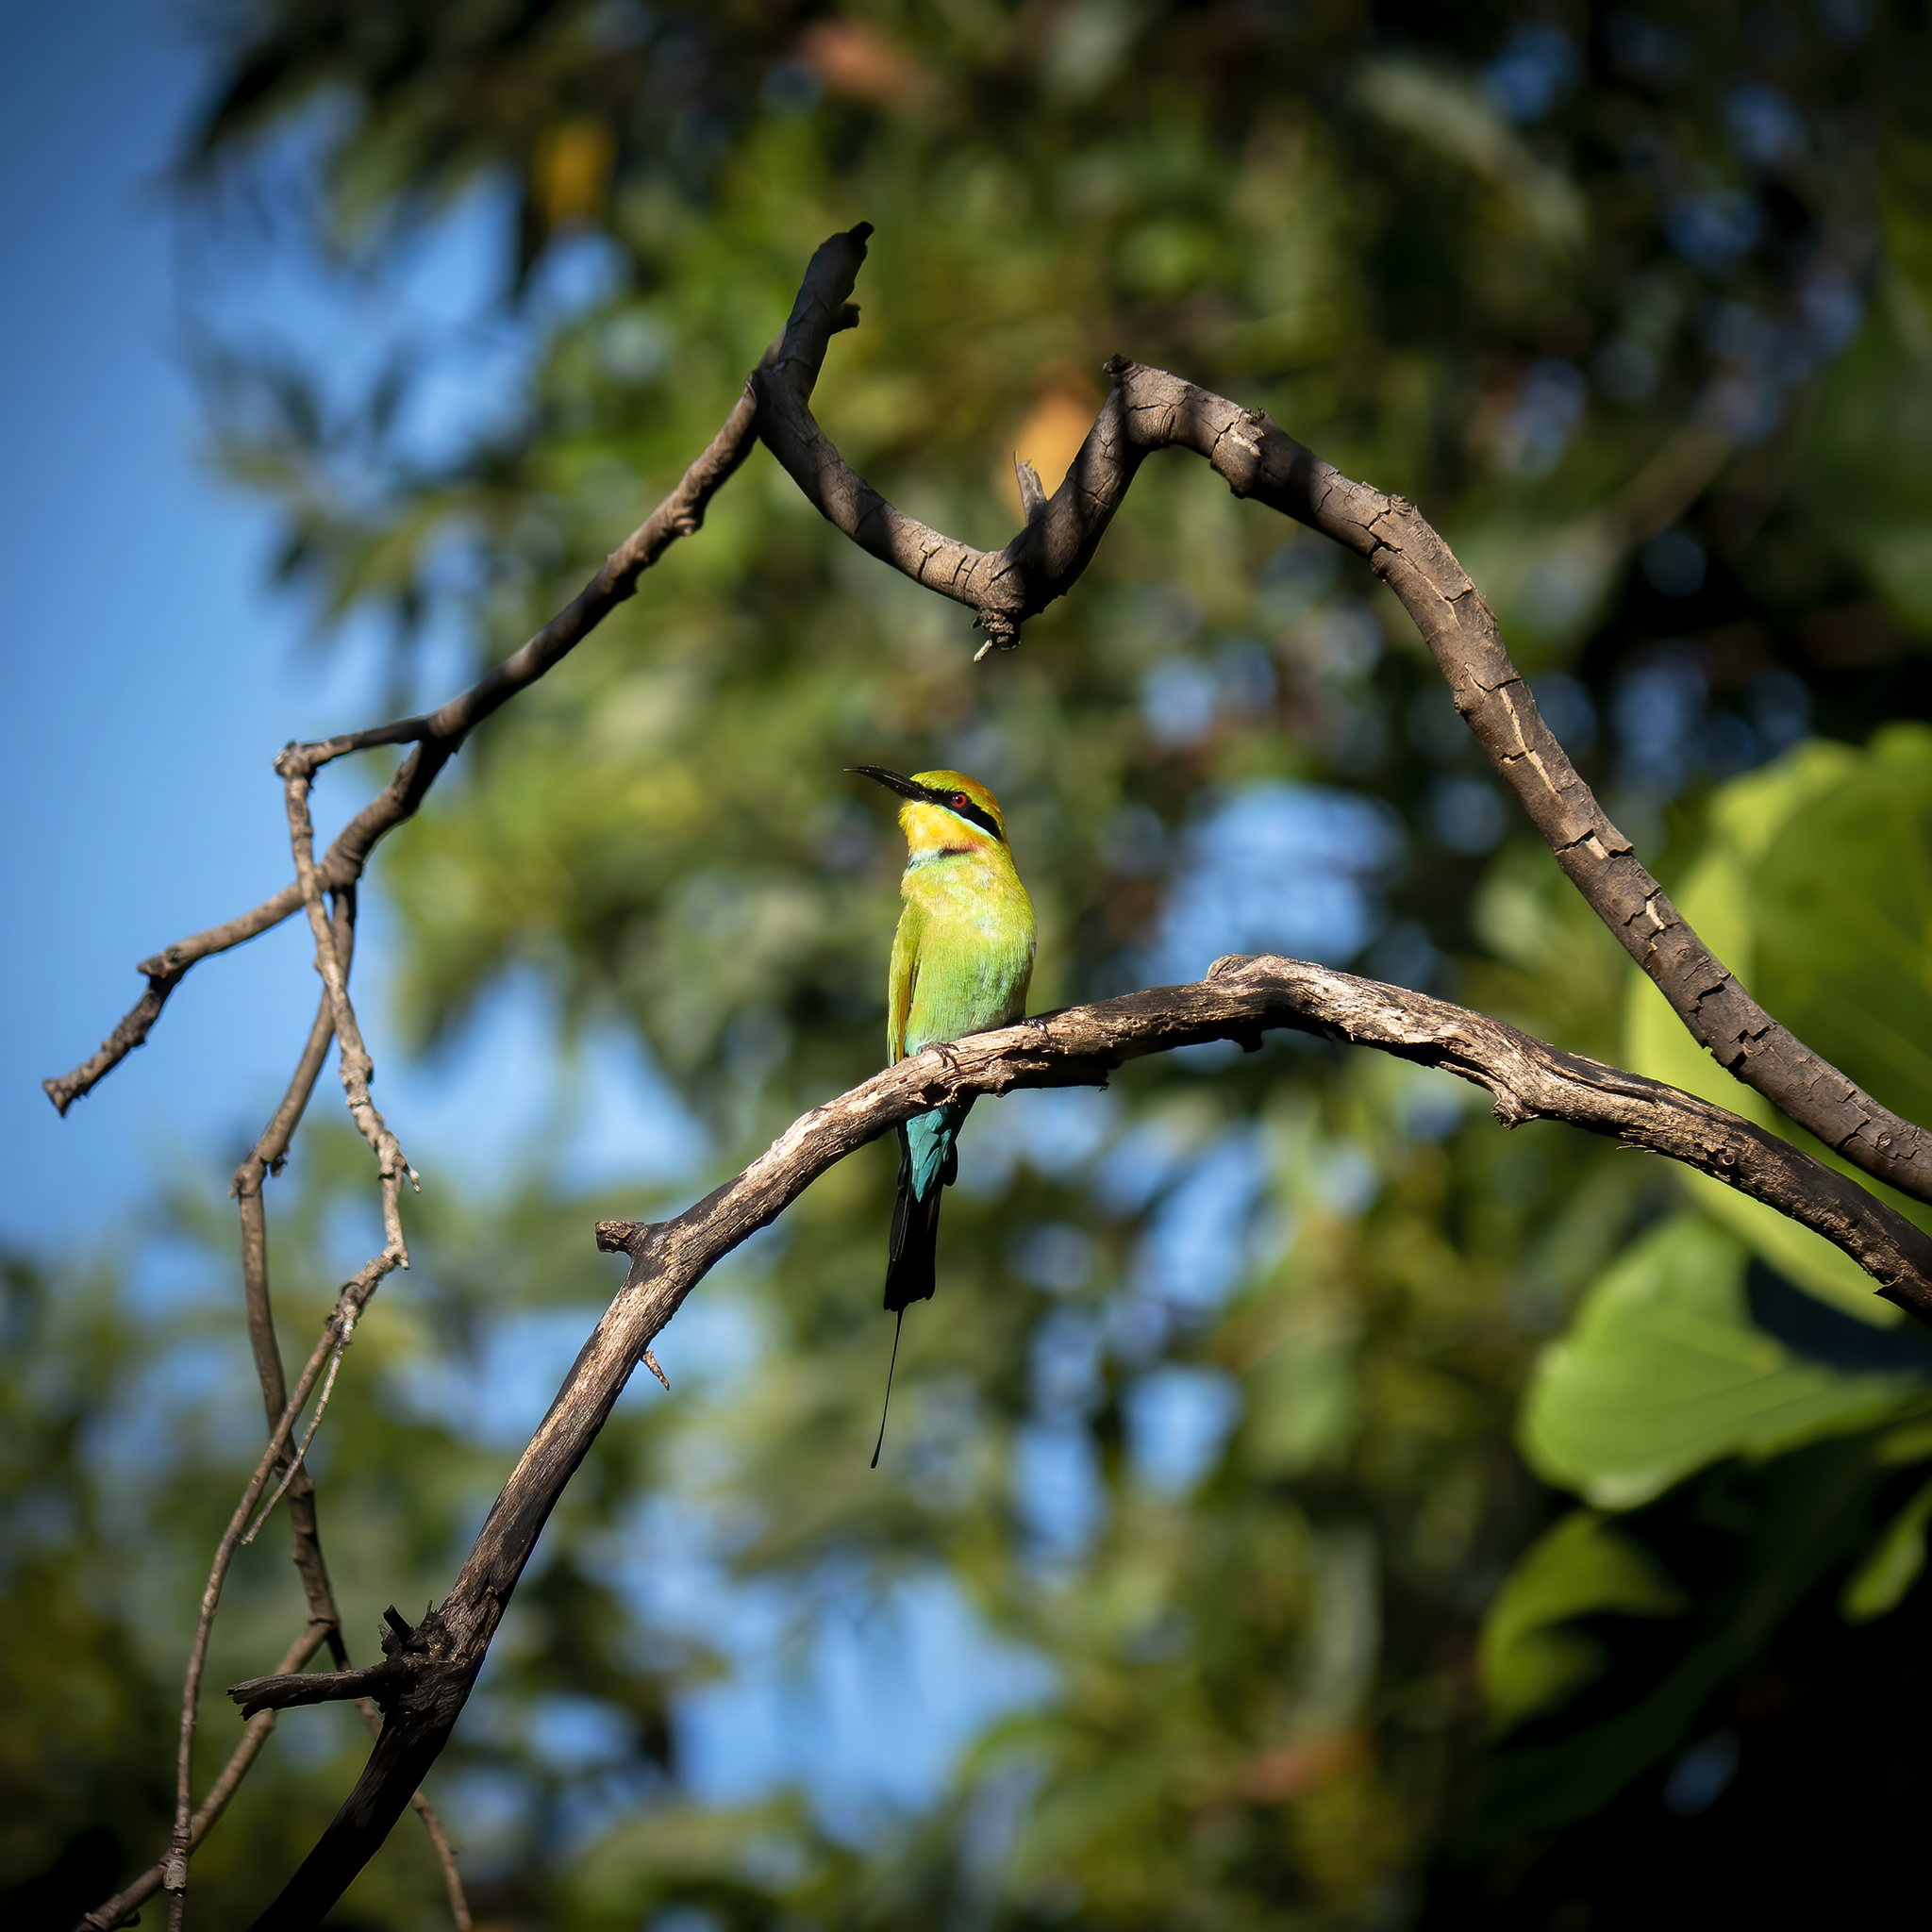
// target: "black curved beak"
[[890, 780]]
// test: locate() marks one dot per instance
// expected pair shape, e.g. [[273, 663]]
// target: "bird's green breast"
[[973, 953]]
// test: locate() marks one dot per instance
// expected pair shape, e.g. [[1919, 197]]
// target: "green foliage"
[[1664, 1371], [1757, 1543], [84, 1732], [1894, 1566], [1866, 472], [1815, 887], [1569, 309]]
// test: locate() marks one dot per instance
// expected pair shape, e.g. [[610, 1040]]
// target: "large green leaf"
[[1815, 887], [1760, 1539], [1665, 1372]]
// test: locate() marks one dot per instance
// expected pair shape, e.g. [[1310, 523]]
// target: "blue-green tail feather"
[[928, 1163]]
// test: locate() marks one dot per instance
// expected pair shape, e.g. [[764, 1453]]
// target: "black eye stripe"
[[971, 813]]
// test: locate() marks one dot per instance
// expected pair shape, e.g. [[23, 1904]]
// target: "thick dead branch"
[[435, 738], [428, 1671], [130, 1898], [1150, 410]]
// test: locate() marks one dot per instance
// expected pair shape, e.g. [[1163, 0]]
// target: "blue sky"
[[153, 675], [157, 671]]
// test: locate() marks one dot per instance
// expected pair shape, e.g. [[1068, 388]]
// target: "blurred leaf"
[[1664, 1371], [1894, 1566], [1581, 1568], [1748, 1549], [1453, 116], [1568, 286], [1866, 468]]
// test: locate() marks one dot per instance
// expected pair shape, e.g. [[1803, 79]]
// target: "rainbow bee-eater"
[[962, 961]]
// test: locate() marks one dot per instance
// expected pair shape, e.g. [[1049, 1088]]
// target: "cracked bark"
[[1150, 410], [1147, 410]]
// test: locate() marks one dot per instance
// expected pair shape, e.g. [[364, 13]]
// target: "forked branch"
[[435, 738], [324, 1625], [1147, 410]]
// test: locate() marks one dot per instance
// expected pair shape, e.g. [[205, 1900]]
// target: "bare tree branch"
[[436, 736], [341, 1319], [130, 1898], [324, 1620], [427, 1671], [357, 1070], [1150, 410], [264, 1158]]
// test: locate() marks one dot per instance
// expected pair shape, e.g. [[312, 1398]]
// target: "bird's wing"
[[901, 981]]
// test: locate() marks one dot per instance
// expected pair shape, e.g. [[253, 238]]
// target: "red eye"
[[960, 800]]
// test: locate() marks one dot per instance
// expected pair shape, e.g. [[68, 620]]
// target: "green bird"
[[962, 961]]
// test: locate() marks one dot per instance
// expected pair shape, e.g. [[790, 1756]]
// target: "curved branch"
[[1150, 410], [323, 1625], [428, 1671], [436, 737], [264, 1158], [357, 1069]]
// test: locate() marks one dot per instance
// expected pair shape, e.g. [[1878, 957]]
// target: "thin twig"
[[357, 1070], [181, 1843], [263, 1159], [335, 1363], [446, 1852], [357, 1067], [255, 1734], [323, 1627], [436, 739], [130, 1898], [428, 1671]]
